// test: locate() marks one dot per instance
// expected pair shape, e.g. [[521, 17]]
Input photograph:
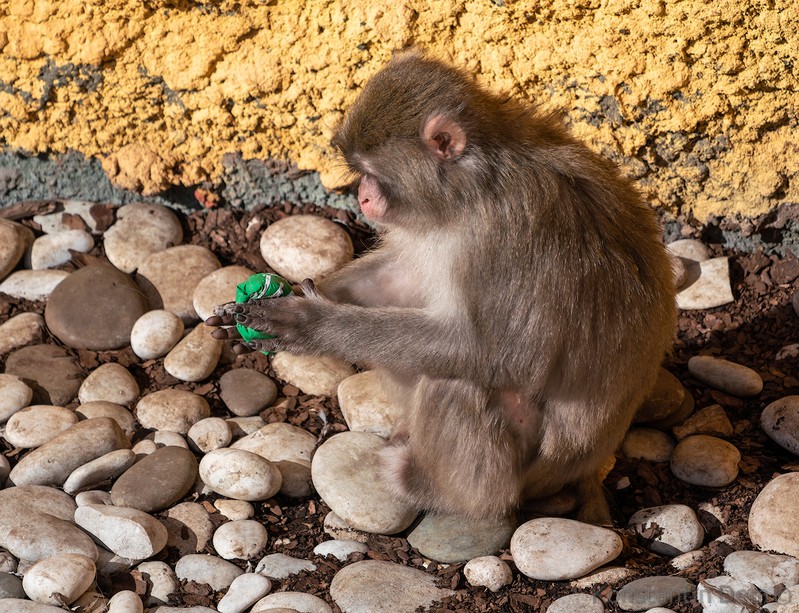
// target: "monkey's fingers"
[[225, 334]]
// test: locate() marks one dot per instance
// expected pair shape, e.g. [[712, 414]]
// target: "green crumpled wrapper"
[[257, 287]]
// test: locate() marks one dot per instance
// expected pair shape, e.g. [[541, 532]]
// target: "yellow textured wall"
[[695, 98]]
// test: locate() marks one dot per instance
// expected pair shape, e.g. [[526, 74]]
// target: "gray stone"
[[319, 376], [51, 250], [125, 601], [234, 509], [346, 474], [32, 284], [773, 520], [765, 570], [171, 409], [678, 416], [170, 277], [553, 549], [10, 586], [157, 481], [95, 308], [305, 246], [110, 382], [279, 441], [246, 392], [780, 420], [711, 420], [281, 566], [53, 462], [584, 603], [650, 592], [50, 371], [401, 589], [140, 230], [705, 460], [669, 529], [14, 605], [20, 330], [452, 538], [291, 602], [155, 333], [726, 376]]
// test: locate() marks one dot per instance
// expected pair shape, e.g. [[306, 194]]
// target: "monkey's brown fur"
[[520, 296]]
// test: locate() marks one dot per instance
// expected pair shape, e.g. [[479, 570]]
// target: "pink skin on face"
[[372, 203]]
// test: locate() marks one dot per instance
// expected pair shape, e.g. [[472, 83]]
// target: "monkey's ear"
[[444, 137]]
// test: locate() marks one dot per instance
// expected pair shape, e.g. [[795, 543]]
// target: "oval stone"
[[155, 333], [401, 588], [663, 400], [452, 538], [773, 521], [157, 481], [346, 474], [20, 330], [195, 356], [12, 246], [780, 420], [108, 466], [245, 590], [488, 571], [669, 529], [32, 284], [211, 570], [209, 434], [141, 229], [95, 308], [14, 395], [318, 376], [366, 405], [170, 409], [53, 462], [705, 460], [53, 250], [305, 246], [218, 287], [246, 392], [109, 382], [240, 474], [33, 426], [174, 274], [60, 579], [647, 444], [127, 532], [648, 592], [584, 603], [726, 376], [101, 408], [243, 539], [279, 441], [554, 549], [51, 372]]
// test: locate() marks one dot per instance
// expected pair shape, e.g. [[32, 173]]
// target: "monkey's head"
[[409, 138]]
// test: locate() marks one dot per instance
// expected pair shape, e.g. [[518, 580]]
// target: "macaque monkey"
[[520, 296]]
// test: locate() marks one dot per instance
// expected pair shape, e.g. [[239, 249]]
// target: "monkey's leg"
[[594, 507]]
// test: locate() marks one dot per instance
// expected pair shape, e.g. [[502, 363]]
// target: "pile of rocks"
[[105, 477]]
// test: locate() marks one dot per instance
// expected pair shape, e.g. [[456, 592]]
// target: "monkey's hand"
[[288, 319]]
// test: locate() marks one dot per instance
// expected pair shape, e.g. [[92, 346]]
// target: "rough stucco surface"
[[698, 100]]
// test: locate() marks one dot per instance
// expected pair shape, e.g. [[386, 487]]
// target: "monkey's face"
[[372, 202]]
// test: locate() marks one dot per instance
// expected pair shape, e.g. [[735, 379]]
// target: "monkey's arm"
[[359, 282], [402, 339]]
